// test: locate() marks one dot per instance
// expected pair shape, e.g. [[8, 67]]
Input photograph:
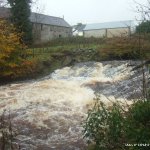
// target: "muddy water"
[[48, 113]]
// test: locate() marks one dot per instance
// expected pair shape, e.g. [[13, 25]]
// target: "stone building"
[[109, 29], [44, 27]]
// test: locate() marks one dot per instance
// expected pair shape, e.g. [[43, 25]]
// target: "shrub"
[[13, 61], [112, 127], [143, 27], [104, 126], [137, 125]]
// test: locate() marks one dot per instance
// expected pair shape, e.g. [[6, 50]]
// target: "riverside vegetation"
[[118, 127], [45, 58]]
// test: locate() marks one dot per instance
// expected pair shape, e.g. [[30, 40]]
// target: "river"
[[48, 113]]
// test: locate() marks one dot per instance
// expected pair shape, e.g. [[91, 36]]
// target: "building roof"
[[50, 20], [37, 18], [108, 25]]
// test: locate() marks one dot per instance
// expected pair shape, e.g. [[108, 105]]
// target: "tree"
[[143, 27], [12, 64], [9, 49], [20, 10], [144, 11]]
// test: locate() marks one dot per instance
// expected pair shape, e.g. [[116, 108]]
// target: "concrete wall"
[[107, 32], [119, 32], [95, 33], [44, 33]]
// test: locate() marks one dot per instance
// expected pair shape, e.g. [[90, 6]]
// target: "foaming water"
[[89, 71], [49, 112]]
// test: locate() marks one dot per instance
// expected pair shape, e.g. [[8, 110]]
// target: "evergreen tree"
[[20, 10], [144, 27]]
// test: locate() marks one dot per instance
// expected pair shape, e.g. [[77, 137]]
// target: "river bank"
[[51, 60]]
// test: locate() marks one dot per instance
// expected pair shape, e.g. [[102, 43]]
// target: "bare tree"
[[37, 6], [143, 9]]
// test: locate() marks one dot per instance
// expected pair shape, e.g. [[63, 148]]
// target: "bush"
[[143, 27], [137, 125], [13, 63], [112, 127]]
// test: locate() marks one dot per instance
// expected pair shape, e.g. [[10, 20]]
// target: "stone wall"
[[43, 33], [95, 33], [121, 32]]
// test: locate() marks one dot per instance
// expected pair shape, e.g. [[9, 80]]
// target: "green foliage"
[[143, 27], [104, 126], [20, 10], [107, 49], [96, 125], [80, 49], [111, 127], [138, 123]]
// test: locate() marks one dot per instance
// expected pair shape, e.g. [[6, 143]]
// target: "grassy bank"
[[67, 51], [107, 49]]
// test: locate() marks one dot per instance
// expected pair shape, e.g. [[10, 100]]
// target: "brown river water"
[[48, 113]]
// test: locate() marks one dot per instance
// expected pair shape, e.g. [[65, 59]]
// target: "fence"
[[35, 52]]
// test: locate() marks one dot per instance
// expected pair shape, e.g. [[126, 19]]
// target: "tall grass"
[[107, 49]]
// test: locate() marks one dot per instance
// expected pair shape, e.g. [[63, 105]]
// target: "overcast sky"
[[89, 11]]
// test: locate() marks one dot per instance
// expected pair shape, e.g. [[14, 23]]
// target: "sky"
[[88, 11]]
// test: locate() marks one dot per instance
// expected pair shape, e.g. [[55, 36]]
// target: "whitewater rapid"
[[48, 113]]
